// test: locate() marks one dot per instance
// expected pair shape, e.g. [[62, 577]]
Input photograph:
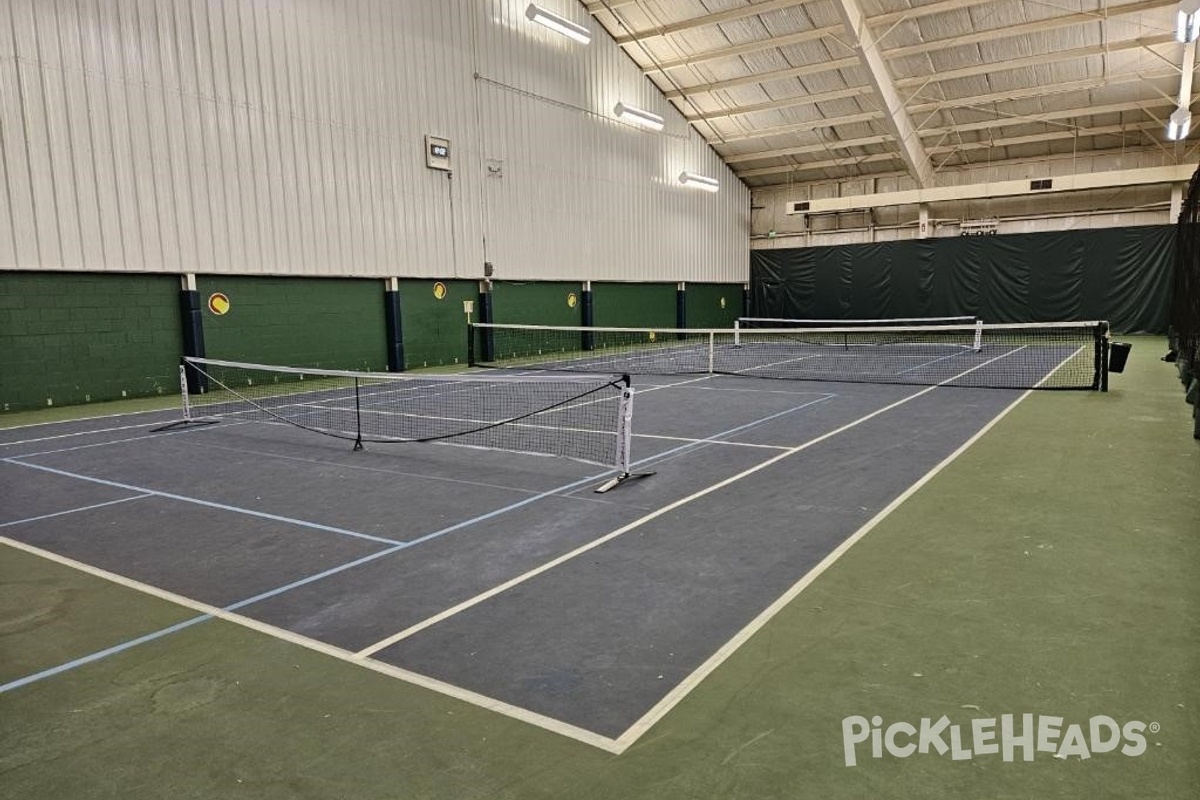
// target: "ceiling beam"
[[808, 166], [764, 77], [1063, 133], [604, 5], [775, 105], [1107, 130], [821, 147], [799, 127], [730, 15], [759, 46], [1026, 28], [994, 97], [1036, 61], [965, 72], [876, 23], [1000, 121], [787, 176], [896, 120], [1143, 176]]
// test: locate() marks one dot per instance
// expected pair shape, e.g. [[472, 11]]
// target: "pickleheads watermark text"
[[1010, 737]]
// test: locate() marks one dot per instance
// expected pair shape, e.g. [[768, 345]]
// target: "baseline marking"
[[211, 612]]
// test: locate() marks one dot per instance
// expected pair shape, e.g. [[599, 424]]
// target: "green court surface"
[[1051, 569]]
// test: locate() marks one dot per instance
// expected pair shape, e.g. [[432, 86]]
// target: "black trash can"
[[1118, 354]]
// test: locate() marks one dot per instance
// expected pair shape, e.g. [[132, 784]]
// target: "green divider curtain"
[[1118, 274]]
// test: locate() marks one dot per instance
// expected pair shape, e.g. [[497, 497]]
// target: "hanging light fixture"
[[554, 22], [647, 119], [1179, 124], [697, 181], [1187, 21]]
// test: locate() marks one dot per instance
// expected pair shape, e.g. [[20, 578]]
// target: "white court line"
[[69, 435], [684, 687], [206, 503], [126, 440], [491, 704], [556, 726], [85, 419], [709, 441], [73, 510], [503, 587]]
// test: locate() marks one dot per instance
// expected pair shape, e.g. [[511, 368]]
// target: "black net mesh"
[[1044, 356], [576, 418]]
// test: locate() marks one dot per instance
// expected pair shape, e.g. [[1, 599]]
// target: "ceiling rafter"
[[763, 77], [711, 19], [1001, 121], [748, 48], [929, 133], [1041, 59], [896, 120], [820, 147], [1010, 94], [978, 69], [787, 102], [1107, 130], [1038, 26]]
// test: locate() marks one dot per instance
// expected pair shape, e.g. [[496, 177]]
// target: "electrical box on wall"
[[437, 152]]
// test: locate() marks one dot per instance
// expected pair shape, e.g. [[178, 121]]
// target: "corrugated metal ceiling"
[[783, 91]]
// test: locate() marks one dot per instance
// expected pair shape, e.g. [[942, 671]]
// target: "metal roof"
[[817, 90]]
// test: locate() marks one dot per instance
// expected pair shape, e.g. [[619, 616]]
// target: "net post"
[[712, 350], [625, 429], [624, 457], [358, 442], [471, 362], [737, 333], [183, 391], [1100, 381], [977, 346]]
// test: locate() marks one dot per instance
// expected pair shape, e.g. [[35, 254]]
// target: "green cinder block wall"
[[713, 305], [334, 323], [435, 329], [634, 305], [537, 303], [68, 338]]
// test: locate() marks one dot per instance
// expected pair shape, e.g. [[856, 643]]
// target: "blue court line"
[[397, 546], [206, 503], [99, 654], [73, 510]]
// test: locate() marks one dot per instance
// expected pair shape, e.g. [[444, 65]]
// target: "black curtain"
[[1122, 275]]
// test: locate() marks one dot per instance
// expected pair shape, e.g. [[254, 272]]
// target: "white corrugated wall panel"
[[287, 137], [581, 194]]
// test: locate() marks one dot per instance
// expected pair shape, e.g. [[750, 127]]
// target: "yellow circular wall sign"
[[218, 303], [571, 300], [440, 291]]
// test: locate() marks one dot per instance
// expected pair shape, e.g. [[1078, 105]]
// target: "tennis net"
[[906, 322], [1069, 355], [587, 419]]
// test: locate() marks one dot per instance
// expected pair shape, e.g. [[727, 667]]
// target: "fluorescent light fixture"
[[554, 22], [1187, 21], [637, 116], [699, 181], [1179, 124]]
